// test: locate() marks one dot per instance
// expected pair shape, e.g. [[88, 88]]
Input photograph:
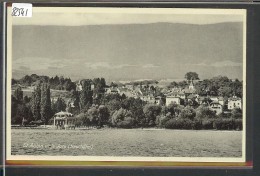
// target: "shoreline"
[[101, 129]]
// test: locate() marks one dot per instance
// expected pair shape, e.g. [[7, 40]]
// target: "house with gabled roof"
[[204, 100], [149, 99], [216, 107], [175, 97]]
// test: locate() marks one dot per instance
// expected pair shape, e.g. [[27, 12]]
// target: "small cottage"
[[216, 107]]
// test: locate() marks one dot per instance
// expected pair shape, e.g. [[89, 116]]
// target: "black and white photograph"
[[126, 84]]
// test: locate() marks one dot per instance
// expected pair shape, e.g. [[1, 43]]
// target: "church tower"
[[191, 86]]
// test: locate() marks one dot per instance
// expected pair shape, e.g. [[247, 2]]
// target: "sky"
[[128, 44], [101, 16]]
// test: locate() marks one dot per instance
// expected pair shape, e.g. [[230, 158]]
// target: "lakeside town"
[[60, 103]]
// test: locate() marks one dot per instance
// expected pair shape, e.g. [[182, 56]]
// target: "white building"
[[173, 99], [234, 102], [221, 100], [78, 86], [213, 98]]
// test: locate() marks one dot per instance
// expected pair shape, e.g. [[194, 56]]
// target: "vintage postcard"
[[126, 84]]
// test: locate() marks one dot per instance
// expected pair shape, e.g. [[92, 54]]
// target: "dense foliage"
[[191, 76], [217, 86], [58, 83]]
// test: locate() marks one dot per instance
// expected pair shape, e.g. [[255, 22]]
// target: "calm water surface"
[[127, 142]]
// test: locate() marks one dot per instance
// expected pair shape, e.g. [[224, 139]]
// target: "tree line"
[[57, 83], [34, 108], [216, 86], [127, 112]]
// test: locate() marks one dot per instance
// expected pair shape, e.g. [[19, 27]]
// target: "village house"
[[216, 107], [79, 86], [206, 100], [129, 86], [164, 91], [92, 86], [188, 92], [221, 101], [213, 98], [113, 90], [158, 100], [203, 100], [148, 99], [234, 102], [70, 103], [218, 99], [178, 94], [173, 99], [127, 92], [123, 89]]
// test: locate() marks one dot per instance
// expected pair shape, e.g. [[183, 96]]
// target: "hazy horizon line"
[[119, 24], [126, 80]]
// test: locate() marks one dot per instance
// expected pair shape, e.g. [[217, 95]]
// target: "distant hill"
[[129, 51]]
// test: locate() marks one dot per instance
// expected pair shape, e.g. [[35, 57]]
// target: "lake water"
[[127, 142]]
